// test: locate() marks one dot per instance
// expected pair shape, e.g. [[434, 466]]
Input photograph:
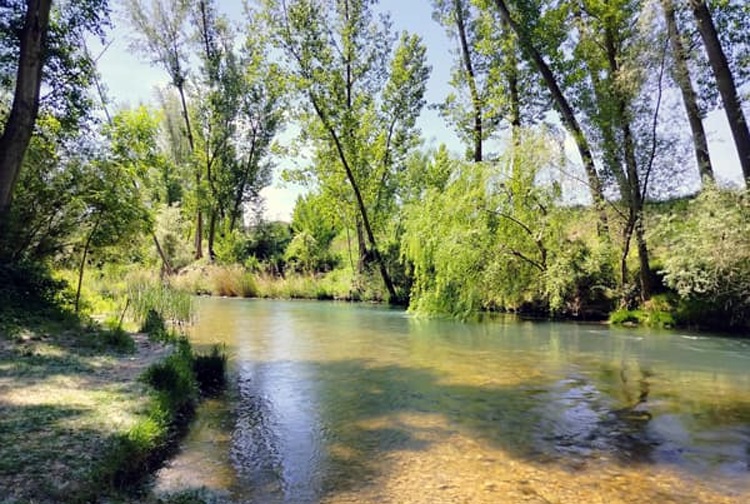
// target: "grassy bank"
[[80, 421], [87, 410]]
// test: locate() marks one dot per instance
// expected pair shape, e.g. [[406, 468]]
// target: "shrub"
[[148, 294], [173, 394], [708, 264], [174, 380], [626, 317], [154, 326], [657, 312], [231, 281], [210, 370], [113, 335]]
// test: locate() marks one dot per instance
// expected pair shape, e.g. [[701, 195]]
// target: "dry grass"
[[60, 404], [230, 281]]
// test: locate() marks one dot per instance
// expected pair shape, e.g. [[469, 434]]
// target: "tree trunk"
[[212, 235], [476, 102], [360, 202], [82, 265], [682, 76], [566, 113], [725, 83], [241, 188], [361, 247], [511, 75], [634, 196], [189, 132], [20, 123], [166, 266]]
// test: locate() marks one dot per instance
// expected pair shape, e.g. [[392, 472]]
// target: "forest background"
[[580, 180]]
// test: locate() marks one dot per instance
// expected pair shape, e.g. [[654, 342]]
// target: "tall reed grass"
[[148, 294]]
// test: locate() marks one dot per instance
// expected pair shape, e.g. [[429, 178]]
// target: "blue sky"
[[130, 80]]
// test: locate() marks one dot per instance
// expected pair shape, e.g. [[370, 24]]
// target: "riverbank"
[[81, 418]]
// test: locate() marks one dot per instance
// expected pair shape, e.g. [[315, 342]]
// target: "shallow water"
[[350, 403]]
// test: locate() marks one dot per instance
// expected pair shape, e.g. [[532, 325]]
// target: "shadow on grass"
[[40, 451], [28, 367]]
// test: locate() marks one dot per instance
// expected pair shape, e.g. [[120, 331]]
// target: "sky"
[[131, 81]]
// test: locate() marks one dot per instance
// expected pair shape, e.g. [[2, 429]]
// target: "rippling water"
[[350, 403]]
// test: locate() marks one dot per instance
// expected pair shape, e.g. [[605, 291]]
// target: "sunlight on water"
[[345, 403]]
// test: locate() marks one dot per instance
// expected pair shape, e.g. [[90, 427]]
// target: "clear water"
[[342, 403]]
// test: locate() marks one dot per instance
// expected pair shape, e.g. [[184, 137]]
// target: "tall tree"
[[681, 72], [456, 16], [614, 49], [725, 82], [42, 49], [239, 94], [567, 113], [162, 37], [20, 123], [365, 96]]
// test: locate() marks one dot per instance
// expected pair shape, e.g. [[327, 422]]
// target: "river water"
[[341, 403]]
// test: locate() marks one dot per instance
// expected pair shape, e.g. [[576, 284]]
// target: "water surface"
[[344, 403]]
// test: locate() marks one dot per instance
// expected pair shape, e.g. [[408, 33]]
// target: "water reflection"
[[358, 404]]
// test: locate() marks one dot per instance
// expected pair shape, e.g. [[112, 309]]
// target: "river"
[[344, 403]]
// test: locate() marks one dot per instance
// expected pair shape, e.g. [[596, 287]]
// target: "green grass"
[[61, 401], [173, 392]]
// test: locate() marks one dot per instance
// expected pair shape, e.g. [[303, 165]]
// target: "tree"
[[365, 97], [162, 32], [239, 112], [725, 82], [567, 114], [20, 123], [314, 228], [681, 72], [455, 15]]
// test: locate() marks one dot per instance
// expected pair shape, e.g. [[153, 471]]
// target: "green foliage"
[[171, 229], [147, 294], [28, 289], [211, 370], [232, 281], [658, 312], [267, 242], [580, 279], [501, 244], [174, 393], [314, 228], [114, 336], [624, 316], [447, 249], [154, 325], [708, 263], [174, 380]]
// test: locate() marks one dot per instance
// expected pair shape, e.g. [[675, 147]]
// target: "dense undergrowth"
[[699, 259]]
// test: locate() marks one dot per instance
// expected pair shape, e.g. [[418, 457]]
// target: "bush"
[[172, 399], [626, 317], [154, 326], [210, 371], [708, 259], [657, 312], [113, 335], [148, 294], [29, 290], [174, 380], [231, 281]]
